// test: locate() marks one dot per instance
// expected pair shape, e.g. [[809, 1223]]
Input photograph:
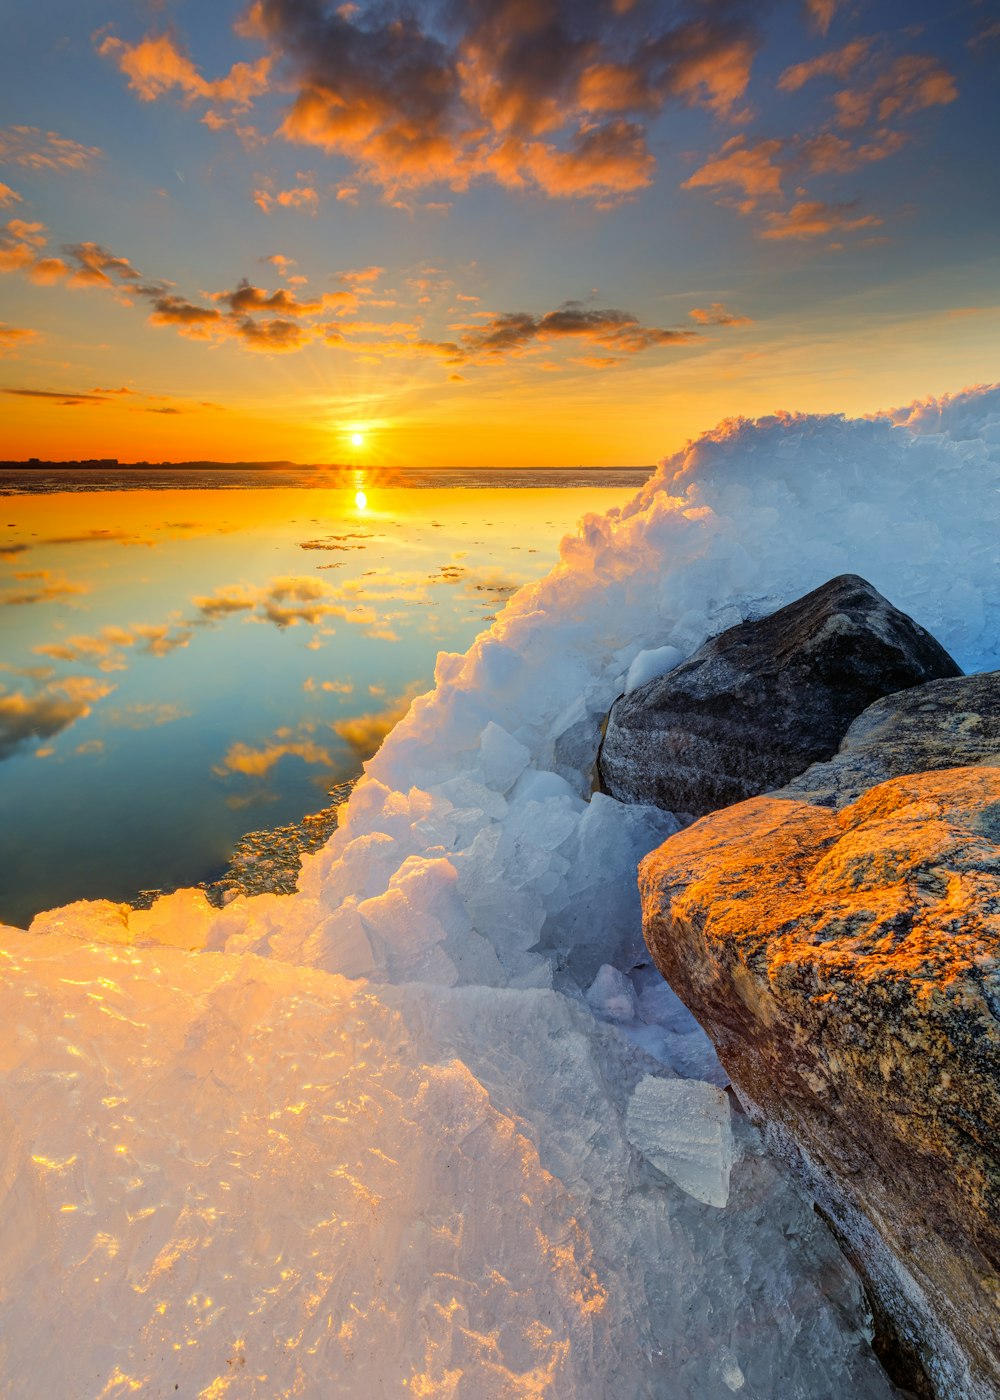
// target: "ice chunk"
[[183, 919], [612, 996], [650, 664], [502, 758], [684, 1128], [96, 919]]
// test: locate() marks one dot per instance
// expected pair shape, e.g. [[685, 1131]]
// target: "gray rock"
[[761, 702], [943, 724]]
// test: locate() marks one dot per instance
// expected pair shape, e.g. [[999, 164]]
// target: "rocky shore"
[[838, 936]]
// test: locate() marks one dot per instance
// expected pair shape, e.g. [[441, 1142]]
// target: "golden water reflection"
[[178, 667]]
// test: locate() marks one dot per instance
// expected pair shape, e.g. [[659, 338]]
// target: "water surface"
[[179, 666]]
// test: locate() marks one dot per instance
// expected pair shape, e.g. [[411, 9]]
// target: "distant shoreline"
[[44, 478], [109, 464]]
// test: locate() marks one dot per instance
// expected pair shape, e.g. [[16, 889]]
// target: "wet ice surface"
[[430, 1125]]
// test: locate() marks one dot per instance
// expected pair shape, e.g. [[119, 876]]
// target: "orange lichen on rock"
[[847, 966]]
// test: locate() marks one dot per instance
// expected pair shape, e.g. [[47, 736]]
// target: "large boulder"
[[759, 703], [847, 966], [944, 724]]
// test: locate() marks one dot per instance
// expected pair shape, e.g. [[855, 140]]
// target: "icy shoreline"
[[379, 1118]]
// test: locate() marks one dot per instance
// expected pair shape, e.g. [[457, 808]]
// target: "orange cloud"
[[83, 264], [813, 219], [838, 63], [822, 13], [8, 197], [471, 97], [888, 89], [748, 168], [361, 277], [717, 315], [156, 66], [13, 337], [715, 75], [248, 135], [301, 197], [34, 149], [603, 162], [831, 153]]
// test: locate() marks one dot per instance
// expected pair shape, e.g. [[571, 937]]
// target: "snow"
[[433, 1124]]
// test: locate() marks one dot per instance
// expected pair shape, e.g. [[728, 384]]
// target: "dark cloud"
[[66, 398], [511, 332], [93, 265], [525, 93]]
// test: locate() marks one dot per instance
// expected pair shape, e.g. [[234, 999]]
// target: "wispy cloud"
[[137, 402], [296, 197], [822, 13], [881, 87], [34, 149], [12, 338], [814, 219], [717, 315]]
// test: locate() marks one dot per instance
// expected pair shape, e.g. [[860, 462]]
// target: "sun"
[[357, 440]]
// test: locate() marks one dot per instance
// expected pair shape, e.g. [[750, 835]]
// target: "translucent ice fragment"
[[683, 1128], [502, 758], [650, 664]]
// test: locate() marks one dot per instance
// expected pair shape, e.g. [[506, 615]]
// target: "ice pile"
[[402, 1132]]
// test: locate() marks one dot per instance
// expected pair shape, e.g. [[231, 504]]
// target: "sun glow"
[[357, 440], [360, 500]]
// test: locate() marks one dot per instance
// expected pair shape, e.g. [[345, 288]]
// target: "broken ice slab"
[[683, 1128]]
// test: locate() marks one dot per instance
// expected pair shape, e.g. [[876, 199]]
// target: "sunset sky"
[[492, 232]]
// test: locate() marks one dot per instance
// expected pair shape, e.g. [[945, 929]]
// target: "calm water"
[[180, 665]]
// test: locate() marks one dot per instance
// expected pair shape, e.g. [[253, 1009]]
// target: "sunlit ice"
[[363, 1129]]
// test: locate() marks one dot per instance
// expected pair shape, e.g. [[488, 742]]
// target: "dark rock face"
[[758, 704], [847, 966], [944, 724]]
